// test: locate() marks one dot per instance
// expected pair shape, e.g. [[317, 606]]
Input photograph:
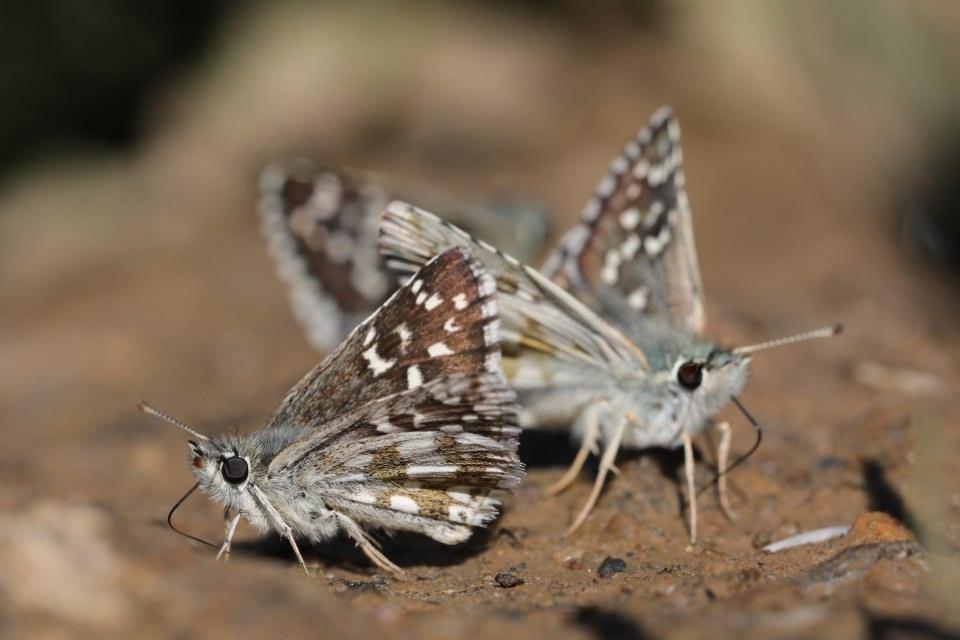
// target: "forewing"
[[538, 316], [321, 230], [633, 254], [442, 322]]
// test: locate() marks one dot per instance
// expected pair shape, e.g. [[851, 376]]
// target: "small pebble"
[[508, 580], [611, 566]]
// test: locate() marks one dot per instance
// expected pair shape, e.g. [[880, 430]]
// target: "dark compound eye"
[[234, 470], [690, 375]]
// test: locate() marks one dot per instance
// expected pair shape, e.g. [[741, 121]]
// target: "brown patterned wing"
[[410, 424], [633, 253], [444, 321], [321, 229]]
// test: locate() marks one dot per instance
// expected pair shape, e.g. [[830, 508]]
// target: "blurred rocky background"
[[821, 143]]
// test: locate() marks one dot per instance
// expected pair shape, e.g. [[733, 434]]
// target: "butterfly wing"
[[411, 424], [321, 229], [632, 256], [434, 460], [550, 339], [443, 321]]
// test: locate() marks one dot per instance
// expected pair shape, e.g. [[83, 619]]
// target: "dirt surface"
[[145, 276]]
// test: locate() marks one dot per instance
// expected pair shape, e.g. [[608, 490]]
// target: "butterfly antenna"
[[756, 445], [149, 410], [822, 332], [181, 532]]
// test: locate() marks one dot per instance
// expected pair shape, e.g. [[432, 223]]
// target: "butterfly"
[[409, 425], [321, 228], [607, 338]]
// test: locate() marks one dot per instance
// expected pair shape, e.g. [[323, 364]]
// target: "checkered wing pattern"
[[632, 255], [541, 321], [410, 424], [321, 229]]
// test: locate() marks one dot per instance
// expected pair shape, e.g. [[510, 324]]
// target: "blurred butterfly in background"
[[408, 425], [321, 227], [607, 338]]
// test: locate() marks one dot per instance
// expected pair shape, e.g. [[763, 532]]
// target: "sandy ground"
[[146, 277]]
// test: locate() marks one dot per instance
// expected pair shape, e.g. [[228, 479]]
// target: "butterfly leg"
[[368, 546], [588, 444], [278, 523], [689, 468], [723, 457], [606, 465], [231, 524], [296, 550]]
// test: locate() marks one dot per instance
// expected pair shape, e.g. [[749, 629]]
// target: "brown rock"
[[876, 526]]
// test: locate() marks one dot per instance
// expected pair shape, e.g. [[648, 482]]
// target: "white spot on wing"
[[606, 187], [414, 377], [405, 336], [450, 326], [654, 245], [630, 218], [432, 302], [460, 301], [611, 265], [640, 169], [377, 364], [659, 173], [431, 469], [629, 247], [638, 299], [404, 503], [438, 349], [385, 426], [619, 165]]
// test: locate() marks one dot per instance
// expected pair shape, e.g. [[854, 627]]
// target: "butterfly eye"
[[690, 375], [234, 470]]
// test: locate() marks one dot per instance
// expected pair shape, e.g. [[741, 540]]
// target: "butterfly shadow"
[[546, 448], [407, 550]]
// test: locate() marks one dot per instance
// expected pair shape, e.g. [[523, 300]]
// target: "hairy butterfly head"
[[704, 383], [225, 467]]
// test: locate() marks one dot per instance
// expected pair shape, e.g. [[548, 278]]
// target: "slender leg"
[[288, 534], [279, 524], [606, 464], [688, 464], [588, 444], [368, 546], [723, 457], [231, 529]]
